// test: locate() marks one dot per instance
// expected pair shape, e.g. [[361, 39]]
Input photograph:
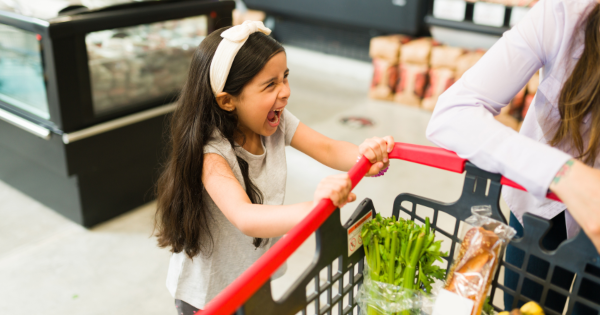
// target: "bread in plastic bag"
[[473, 269]]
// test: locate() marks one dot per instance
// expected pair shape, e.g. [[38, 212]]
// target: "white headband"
[[233, 39]]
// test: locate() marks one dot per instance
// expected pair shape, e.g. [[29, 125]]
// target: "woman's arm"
[[463, 120], [264, 220], [342, 155], [578, 186]]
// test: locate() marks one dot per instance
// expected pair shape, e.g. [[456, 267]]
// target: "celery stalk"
[[411, 265], [392, 261]]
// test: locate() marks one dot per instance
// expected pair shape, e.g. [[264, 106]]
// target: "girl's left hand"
[[376, 150]]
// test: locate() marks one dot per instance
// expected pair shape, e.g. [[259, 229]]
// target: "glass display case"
[[85, 91], [22, 81], [68, 65], [133, 65]]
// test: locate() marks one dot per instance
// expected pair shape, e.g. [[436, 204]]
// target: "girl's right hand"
[[578, 186], [337, 188]]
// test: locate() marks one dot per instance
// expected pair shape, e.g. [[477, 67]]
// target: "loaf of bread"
[[385, 78], [474, 268], [411, 84]]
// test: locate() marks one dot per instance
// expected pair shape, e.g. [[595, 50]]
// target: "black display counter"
[[85, 94]]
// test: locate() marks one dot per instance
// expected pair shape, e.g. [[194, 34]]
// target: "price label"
[[449, 303], [453, 10], [491, 14], [354, 239]]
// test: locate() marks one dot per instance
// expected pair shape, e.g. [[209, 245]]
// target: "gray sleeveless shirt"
[[197, 281]]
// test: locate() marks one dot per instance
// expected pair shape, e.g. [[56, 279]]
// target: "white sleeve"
[[463, 120]]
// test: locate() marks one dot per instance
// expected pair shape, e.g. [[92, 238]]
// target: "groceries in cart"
[[401, 274]]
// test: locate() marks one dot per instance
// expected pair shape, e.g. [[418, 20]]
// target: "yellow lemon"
[[531, 308]]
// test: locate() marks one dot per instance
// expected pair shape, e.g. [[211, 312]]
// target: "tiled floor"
[[49, 265]]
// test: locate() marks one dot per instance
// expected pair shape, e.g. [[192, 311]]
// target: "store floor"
[[49, 265]]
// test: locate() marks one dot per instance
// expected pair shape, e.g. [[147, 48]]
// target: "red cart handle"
[[239, 291], [443, 159]]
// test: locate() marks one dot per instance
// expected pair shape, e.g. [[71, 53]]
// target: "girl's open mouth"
[[274, 116]]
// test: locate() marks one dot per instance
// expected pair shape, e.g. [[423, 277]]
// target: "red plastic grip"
[[430, 156], [443, 159]]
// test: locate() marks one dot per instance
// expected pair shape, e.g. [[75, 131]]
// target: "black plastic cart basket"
[[341, 256]]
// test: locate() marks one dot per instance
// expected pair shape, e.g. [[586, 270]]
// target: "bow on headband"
[[233, 39]]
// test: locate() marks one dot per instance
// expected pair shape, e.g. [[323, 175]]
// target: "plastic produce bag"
[[473, 270], [379, 298]]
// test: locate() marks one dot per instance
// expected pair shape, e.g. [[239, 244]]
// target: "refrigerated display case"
[[85, 90]]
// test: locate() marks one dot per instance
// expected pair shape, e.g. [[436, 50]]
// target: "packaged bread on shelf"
[[440, 79], [516, 104], [414, 64], [444, 60], [473, 270], [532, 87], [445, 56], [416, 51], [385, 52], [385, 77], [507, 119], [466, 61], [387, 47], [411, 84]]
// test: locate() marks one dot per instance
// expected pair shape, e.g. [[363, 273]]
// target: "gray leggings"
[[185, 309]]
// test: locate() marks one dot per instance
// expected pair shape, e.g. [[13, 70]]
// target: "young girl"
[[220, 197]]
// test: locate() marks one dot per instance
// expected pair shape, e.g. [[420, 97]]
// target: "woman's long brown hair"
[[182, 220], [580, 96]]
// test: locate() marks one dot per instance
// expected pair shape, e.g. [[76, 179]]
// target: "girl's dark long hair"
[[580, 95], [182, 221]]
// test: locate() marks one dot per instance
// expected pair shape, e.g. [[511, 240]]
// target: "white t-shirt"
[[197, 281]]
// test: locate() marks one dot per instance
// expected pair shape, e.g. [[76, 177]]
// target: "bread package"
[[533, 83], [387, 47], [445, 57], [532, 87], [385, 77], [411, 84], [507, 119], [440, 79], [516, 104], [466, 61], [473, 270], [416, 51]]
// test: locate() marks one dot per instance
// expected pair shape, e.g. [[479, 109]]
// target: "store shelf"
[[479, 17], [466, 26]]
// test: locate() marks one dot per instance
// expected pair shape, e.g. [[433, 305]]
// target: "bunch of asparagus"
[[402, 253]]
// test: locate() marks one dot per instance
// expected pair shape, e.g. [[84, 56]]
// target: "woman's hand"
[[578, 186], [337, 188], [376, 150]]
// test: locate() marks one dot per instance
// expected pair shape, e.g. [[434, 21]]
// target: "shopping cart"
[[330, 284]]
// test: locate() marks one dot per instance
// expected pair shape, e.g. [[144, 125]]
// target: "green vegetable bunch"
[[402, 253]]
